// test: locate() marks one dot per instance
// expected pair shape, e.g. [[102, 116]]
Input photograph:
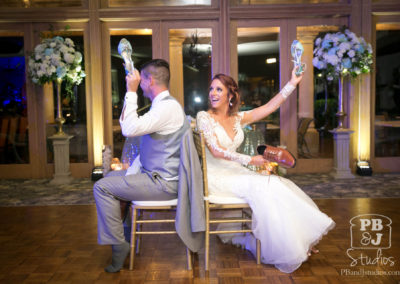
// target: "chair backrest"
[[22, 129], [198, 138], [304, 122], [4, 131]]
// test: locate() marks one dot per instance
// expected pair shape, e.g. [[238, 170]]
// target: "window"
[[141, 41], [14, 143], [387, 102]]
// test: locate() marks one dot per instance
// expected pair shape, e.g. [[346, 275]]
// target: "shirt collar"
[[160, 96]]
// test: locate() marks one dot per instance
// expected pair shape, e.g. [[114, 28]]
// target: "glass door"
[[386, 146], [317, 100], [190, 53], [126, 149], [14, 138], [258, 56]]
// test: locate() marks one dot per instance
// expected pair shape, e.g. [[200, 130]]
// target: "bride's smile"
[[218, 94]]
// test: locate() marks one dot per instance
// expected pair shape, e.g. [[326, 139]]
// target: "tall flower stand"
[[62, 175], [341, 159]]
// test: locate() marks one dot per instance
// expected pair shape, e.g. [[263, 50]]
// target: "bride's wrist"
[[287, 90]]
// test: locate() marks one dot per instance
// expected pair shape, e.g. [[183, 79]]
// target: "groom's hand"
[[132, 81]]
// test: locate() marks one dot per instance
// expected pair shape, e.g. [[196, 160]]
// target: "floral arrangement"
[[55, 58], [342, 53]]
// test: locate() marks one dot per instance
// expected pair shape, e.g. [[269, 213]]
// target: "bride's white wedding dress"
[[286, 221]]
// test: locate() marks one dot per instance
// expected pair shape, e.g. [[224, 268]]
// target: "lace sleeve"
[[206, 125]]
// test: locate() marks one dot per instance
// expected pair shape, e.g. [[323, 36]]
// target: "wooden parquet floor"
[[58, 244]]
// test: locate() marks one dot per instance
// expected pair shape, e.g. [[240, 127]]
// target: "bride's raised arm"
[[271, 106]]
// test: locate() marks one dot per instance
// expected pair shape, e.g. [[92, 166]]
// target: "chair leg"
[[207, 239], [133, 238], [140, 228], [258, 248], [189, 258]]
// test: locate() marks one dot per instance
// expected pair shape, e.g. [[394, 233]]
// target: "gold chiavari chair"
[[213, 203], [139, 208]]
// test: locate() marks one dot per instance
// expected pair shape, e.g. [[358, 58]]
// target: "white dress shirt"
[[164, 117]]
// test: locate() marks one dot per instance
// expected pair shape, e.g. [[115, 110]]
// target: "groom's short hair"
[[158, 69]]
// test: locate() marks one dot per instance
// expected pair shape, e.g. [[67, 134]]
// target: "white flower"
[[78, 57], [345, 46], [69, 42], [69, 58], [64, 48]]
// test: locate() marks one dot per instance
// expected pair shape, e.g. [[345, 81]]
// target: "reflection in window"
[[265, 2], [190, 60], [387, 104], [258, 76], [141, 41], [154, 3], [41, 3], [13, 104], [74, 111]]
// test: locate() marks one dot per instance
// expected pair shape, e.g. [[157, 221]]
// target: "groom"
[[154, 174]]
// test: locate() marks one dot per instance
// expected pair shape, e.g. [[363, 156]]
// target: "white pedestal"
[[341, 159], [62, 175]]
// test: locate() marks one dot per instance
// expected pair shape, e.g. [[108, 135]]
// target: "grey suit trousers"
[[108, 192]]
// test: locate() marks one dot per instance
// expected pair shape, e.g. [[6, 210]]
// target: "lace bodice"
[[218, 139]]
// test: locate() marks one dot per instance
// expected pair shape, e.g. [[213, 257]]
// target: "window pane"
[[40, 3], [141, 41], [74, 111], [317, 101], [265, 2], [387, 104], [190, 62], [258, 76], [13, 105], [131, 3]]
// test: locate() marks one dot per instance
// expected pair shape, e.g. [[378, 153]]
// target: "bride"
[[286, 221]]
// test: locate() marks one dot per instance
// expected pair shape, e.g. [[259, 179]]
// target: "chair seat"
[[226, 199], [172, 202]]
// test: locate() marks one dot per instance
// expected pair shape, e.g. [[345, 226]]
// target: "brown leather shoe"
[[279, 155]]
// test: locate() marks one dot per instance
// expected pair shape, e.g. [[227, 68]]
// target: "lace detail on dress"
[[208, 125]]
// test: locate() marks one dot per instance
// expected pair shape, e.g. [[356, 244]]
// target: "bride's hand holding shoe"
[[257, 160]]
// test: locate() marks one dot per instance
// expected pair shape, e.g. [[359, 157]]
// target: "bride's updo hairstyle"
[[233, 90]]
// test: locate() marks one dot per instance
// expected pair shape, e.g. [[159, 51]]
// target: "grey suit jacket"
[[190, 214]]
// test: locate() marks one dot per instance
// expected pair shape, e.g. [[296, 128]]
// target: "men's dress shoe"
[[279, 155]]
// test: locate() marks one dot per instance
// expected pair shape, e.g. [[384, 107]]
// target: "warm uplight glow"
[[98, 144], [270, 60], [363, 131]]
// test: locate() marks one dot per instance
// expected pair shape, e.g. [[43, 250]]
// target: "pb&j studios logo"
[[370, 232]]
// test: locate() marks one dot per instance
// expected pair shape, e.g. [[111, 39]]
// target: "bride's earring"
[[230, 102]]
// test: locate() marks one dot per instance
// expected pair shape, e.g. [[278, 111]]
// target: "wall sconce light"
[[363, 168], [270, 60], [197, 99]]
